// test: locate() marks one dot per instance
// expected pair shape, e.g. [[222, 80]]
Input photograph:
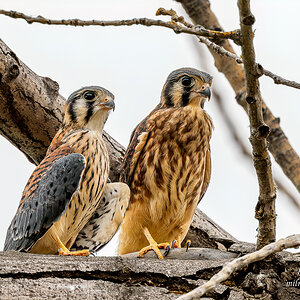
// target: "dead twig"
[[194, 30], [277, 79], [241, 262]]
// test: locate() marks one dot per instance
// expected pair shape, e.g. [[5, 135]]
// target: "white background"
[[133, 63]]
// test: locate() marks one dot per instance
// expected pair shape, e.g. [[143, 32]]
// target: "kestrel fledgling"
[[167, 165], [68, 185]]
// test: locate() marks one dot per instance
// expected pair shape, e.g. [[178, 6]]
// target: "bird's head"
[[186, 86], [88, 108]]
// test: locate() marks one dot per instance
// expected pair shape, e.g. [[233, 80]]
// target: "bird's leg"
[[62, 249], [153, 245]]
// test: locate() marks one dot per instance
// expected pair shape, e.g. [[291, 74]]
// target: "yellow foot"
[[155, 247], [66, 252]]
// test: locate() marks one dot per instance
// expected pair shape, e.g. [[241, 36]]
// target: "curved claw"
[[167, 251], [187, 244], [93, 253]]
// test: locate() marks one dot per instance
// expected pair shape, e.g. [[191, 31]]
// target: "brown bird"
[[68, 185], [167, 165]]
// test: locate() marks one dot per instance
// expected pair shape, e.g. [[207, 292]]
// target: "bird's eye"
[[89, 96], [186, 81]]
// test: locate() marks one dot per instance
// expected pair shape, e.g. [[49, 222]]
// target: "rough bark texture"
[[265, 208], [282, 151], [29, 276]]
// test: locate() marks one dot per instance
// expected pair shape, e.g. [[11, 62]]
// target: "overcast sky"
[[133, 63]]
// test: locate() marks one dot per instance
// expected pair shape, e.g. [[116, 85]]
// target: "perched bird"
[[167, 165], [68, 185]]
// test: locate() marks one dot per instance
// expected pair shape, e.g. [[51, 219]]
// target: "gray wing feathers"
[[36, 215]]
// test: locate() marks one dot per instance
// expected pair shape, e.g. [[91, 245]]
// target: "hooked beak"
[[109, 104], [206, 93]]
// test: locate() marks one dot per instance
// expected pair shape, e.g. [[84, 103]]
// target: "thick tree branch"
[[265, 208], [241, 262], [279, 145], [199, 31]]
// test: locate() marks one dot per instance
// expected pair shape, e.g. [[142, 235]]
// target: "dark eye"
[[186, 81], [89, 96]]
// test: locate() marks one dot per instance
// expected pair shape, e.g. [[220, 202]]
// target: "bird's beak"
[[109, 103], [206, 93]]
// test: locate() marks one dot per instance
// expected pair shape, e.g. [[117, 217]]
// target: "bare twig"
[[195, 30], [277, 79], [239, 263], [265, 208]]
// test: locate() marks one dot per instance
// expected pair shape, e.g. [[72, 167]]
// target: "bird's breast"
[[84, 202], [172, 166]]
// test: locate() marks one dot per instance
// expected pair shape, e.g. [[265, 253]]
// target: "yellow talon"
[[66, 252], [153, 246]]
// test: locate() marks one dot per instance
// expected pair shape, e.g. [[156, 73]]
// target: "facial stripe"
[[167, 95], [89, 112], [71, 111], [185, 98]]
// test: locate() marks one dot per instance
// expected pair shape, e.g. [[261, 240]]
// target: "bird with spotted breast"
[[67, 187], [167, 165]]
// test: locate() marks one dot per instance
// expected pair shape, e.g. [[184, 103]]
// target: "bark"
[[29, 276], [279, 145], [265, 208]]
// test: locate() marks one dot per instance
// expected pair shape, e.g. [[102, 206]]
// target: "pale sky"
[[133, 63]]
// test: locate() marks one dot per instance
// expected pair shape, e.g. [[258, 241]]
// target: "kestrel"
[[167, 165], [69, 184]]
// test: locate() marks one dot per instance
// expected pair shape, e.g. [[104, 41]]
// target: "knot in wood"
[[259, 70], [264, 131], [13, 72], [248, 20], [250, 99]]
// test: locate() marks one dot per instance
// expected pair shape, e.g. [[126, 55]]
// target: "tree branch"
[[199, 30], [287, 158], [265, 208], [241, 262], [277, 79]]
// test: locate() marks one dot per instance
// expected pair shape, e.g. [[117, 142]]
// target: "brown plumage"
[[167, 164], [66, 188]]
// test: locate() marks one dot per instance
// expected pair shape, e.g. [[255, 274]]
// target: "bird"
[[67, 187], [167, 165]]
